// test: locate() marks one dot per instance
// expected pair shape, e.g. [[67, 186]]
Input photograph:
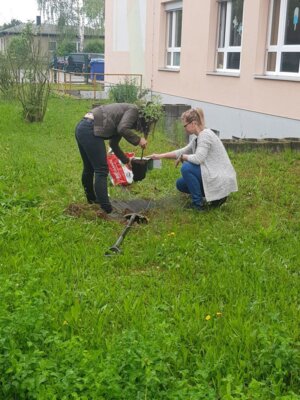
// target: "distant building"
[[237, 59], [46, 33]]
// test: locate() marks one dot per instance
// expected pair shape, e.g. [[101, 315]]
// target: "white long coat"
[[218, 174]]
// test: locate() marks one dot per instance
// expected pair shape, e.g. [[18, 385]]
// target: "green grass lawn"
[[198, 306]]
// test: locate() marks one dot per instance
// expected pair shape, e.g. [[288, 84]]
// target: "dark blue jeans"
[[93, 153], [191, 182]]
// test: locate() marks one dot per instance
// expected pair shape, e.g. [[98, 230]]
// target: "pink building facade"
[[237, 59]]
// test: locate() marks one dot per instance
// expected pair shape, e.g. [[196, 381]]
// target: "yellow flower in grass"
[[171, 234], [208, 317], [65, 323], [219, 314]]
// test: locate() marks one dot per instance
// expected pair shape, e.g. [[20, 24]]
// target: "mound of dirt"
[[120, 208], [87, 211], [93, 212]]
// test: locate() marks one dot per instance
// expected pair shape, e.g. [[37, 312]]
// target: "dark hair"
[[143, 125]]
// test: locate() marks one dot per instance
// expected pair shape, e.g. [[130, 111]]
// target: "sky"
[[23, 10]]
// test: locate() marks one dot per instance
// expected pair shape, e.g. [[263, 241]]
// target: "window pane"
[[233, 60], [222, 24], [52, 46], [271, 64], [178, 28], [292, 29], [176, 59], [236, 23], [220, 60], [290, 62], [169, 58], [170, 29], [275, 22]]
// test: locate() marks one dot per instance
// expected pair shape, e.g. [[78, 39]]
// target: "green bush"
[[27, 67], [94, 46], [152, 110], [66, 46], [126, 92]]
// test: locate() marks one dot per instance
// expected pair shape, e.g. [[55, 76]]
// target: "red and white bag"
[[119, 173]]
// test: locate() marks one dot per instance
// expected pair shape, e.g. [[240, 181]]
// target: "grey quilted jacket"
[[116, 119]]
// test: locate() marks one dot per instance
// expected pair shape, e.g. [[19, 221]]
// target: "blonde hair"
[[194, 114]]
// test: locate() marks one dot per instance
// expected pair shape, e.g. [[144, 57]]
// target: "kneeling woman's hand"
[[155, 156], [179, 160]]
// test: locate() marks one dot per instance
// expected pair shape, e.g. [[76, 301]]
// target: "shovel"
[[131, 218]]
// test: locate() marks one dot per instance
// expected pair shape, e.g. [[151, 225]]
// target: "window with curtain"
[[283, 56], [174, 26], [230, 29]]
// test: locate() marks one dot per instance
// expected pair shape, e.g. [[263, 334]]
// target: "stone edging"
[[273, 145]]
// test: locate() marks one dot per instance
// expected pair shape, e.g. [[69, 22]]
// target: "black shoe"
[[218, 203], [195, 207]]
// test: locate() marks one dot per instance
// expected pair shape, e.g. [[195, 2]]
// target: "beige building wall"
[[42, 42], [197, 82]]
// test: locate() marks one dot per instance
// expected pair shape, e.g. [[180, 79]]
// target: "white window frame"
[[227, 48], [280, 47], [171, 10]]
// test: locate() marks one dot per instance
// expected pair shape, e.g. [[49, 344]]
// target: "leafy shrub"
[[94, 46], [28, 70], [126, 92], [152, 110], [66, 46], [150, 113]]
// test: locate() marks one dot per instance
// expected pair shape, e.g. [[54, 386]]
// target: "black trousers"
[[95, 170]]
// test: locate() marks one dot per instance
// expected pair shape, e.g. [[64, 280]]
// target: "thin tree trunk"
[[80, 24]]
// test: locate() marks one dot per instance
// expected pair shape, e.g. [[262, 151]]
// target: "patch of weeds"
[[21, 202]]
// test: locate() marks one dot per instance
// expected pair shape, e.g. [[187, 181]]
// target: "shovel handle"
[[116, 247]]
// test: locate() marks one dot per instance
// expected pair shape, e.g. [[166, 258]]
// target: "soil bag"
[[119, 173]]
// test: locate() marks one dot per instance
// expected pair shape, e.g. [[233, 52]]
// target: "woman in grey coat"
[[108, 122], [206, 168]]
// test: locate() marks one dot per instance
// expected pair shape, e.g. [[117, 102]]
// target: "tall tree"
[[80, 13], [12, 23], [94, 12]]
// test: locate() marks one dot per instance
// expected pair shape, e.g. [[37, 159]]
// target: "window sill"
[[278, 78], [169, 69], [220, 73]]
